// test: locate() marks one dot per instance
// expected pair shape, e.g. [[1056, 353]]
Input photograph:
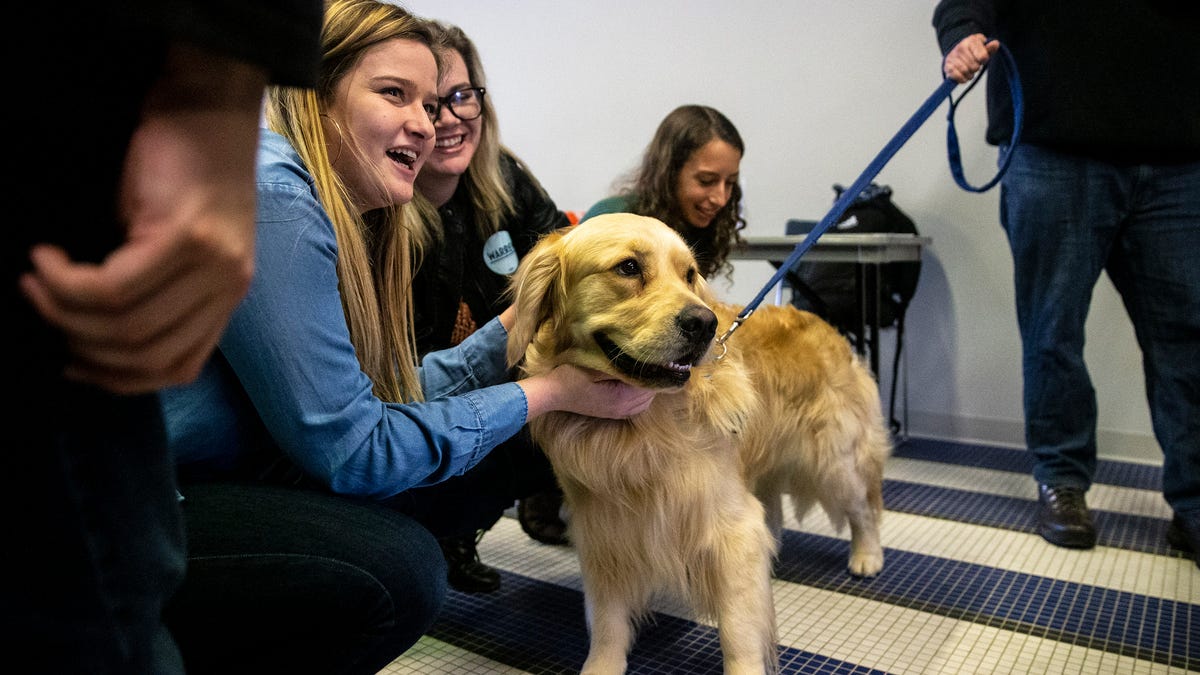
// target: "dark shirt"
[[1117, 80], [281, 35], [454, 268]]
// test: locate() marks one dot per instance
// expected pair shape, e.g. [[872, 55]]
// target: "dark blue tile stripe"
[[539, 628], [1154, 629], [1108, 472]]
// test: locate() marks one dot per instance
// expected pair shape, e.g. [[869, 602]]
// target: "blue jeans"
[[293, 580], [1067, 219]]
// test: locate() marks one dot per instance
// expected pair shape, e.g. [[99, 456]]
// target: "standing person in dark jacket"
[[132, 242], [482, 210], [1106, 178]]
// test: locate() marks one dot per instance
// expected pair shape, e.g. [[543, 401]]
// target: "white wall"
[[816, 90]]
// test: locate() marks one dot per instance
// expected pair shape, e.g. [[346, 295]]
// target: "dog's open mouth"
[[669, 374]]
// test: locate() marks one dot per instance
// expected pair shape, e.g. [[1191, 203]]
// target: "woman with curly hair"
[[688, 178]]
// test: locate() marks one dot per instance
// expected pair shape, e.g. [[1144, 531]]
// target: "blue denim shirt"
[[285, 378]]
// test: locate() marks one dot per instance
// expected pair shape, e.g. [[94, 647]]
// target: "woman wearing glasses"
[[482, 210], [313, 410]]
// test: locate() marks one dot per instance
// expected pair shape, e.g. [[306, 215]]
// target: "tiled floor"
[[967, 587]]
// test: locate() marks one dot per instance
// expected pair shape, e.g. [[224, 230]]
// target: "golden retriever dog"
[[671, 501], [820, 435]]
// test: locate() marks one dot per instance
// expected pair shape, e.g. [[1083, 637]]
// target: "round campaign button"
[[499, 254]]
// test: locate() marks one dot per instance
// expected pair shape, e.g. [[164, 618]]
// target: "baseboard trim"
[[1111, 444]]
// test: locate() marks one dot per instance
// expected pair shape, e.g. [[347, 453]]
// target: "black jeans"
[[293, 580], [475, 500], [90, 510]]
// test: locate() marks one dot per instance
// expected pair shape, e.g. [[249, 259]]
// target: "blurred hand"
[[151, 313], [968, 56]]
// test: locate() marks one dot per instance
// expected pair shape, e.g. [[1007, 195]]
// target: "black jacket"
[[454, 269], [1117, 80]]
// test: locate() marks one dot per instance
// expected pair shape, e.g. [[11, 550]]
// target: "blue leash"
[[1018, 103], [910, 127]]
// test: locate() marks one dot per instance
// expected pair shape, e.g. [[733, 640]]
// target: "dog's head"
[[618, 293]]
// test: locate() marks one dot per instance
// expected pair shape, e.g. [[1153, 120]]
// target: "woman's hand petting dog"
[[568, 388]]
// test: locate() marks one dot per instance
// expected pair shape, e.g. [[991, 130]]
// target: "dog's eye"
[[690, 277], [629, 267]]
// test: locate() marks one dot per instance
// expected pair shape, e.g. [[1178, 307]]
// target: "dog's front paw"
[[866, 564]]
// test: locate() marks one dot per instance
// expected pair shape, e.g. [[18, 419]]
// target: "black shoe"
[[1063, 518], [466, 572], [539, 517], [1185, 535]]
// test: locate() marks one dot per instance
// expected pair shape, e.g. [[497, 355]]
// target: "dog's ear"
[[531, 289]]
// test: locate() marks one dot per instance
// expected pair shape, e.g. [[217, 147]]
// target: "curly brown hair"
[[651, 188]]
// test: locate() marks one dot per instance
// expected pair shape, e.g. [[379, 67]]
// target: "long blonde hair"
[[486, 182], [376, 249]]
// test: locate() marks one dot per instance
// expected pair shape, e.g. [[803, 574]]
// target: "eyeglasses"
[[465, 104]]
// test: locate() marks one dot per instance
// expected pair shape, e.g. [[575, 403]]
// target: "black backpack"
[[829, 290]]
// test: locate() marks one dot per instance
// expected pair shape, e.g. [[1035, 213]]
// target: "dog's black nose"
[[697, 323]]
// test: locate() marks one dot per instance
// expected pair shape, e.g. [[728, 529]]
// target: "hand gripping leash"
[[910, 127]]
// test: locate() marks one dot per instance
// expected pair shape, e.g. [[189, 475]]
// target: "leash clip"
[[732, 327]]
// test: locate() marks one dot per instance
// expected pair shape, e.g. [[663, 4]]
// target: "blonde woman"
[[313, 417]]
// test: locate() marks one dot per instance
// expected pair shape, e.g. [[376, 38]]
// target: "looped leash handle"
[[1018, 105]]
